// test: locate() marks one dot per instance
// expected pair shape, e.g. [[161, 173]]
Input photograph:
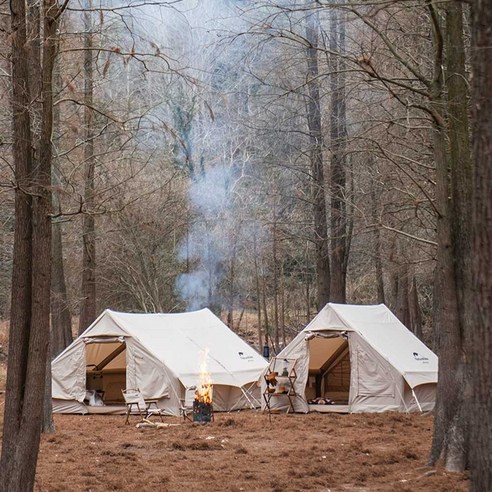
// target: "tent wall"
[[426, 396], [375, 385], [146, 372], [297, 349], [68, 373], [68, 406]]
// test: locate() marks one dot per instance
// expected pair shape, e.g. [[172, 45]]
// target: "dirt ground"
[[243, 452]]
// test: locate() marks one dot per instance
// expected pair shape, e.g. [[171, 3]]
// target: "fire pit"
[[202, 405]]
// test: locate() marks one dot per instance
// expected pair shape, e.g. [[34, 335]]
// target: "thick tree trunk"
[[317, 166], [338, 182], [449, 439], [29, 329], [88, 308], [42, 207], [454, 189], [37, 89], [461, 190], [480, 331], [20, 313], [446, 321]]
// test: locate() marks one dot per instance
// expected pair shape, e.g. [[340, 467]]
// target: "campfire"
[[202, 404]]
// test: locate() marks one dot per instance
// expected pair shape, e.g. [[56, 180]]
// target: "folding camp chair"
[[186, 403], [135, 400]]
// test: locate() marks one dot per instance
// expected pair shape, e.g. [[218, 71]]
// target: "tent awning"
[[417, 378]]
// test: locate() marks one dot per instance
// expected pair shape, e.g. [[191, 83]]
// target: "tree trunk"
[[338, 137], [42, 247], [88, 308], [480, 331], [461, 190], [276, 334], [232, 279], [20, 313], [407, 302], [322, 253], [48, 425], [378, 263], [61, 319], [414, 310], [265, 315], [402, 308], [446, 320], [282, 306], [29, 328], [454, 172], [308, 298], [258, 293]]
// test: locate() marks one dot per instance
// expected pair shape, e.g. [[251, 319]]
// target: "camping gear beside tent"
[[360, 359], [161, 355]]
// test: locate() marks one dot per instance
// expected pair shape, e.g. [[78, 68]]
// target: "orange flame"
[[203, 392]]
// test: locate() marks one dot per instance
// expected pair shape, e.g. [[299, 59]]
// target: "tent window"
[[106, 370]]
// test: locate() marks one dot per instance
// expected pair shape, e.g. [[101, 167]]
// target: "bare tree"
[[320, 240], [88, 308], [339, 227]]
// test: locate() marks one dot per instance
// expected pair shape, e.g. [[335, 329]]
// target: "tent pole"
[[252, 397], [416, 399], [245, 394]]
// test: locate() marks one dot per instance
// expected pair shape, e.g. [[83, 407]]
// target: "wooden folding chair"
[[135, 401]]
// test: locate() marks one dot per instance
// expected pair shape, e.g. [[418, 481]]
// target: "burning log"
[[202, 404]]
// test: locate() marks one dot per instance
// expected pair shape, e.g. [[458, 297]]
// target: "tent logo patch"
[[416, 356], [245, 357]]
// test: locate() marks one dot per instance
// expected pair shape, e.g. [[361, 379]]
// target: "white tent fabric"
[[161, 354], [390, 368]]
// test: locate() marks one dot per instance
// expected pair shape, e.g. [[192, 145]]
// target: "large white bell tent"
[[160, 354], [358, 359]]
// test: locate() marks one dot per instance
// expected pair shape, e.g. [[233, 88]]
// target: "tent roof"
[[386, 334], [180, 341]]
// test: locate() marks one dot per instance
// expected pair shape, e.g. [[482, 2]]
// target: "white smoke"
[[207, 244]]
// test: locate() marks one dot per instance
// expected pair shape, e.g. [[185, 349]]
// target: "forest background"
[[250, 156]]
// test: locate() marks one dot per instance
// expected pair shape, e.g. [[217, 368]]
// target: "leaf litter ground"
[[244, 452]]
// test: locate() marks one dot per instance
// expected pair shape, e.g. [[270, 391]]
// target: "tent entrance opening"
[[105, 372], [329, 370]]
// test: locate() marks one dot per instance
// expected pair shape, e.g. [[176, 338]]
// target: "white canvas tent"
[[363, 359], [161, 354]]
